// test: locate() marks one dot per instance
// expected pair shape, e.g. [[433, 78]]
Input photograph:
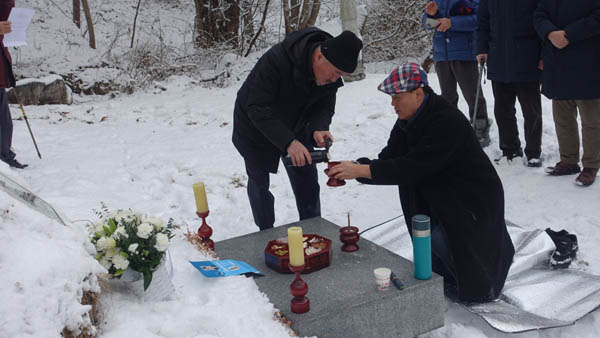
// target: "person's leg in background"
[[530, 100], [467, 76], [447, 81], [6, 129], [589, 110], [505, 98]]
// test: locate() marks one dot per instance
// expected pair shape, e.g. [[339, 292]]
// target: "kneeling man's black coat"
[[442, 171]]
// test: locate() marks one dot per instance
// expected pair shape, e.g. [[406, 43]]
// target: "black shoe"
[[534, 162], [509, 156], [15, 164], [566, 248]]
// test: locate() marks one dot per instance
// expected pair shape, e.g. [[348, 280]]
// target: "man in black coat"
[[434, 158], [507, 42], [285, 106], [571, 78]]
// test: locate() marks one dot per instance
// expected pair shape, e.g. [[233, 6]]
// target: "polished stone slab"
[[344, 299]]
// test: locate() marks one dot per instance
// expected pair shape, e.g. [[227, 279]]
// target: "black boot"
[[15, 164], [482, 131]]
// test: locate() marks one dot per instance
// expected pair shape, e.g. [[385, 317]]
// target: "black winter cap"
[[342, 51]]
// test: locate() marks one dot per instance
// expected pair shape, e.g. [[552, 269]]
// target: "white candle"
[[296, 246], [200, 195]]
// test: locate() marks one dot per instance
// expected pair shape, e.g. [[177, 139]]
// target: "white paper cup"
[[382, 278]]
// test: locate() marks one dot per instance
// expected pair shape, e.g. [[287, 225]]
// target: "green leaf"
[[99, 256], [107, 231], [147, 279], [124, 254], [118, 272], [112, 224]]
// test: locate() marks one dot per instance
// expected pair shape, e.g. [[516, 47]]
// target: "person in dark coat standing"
[[285, 106], [434, 158], [7, 80], [508, 43], [570, 31], [455, 22]]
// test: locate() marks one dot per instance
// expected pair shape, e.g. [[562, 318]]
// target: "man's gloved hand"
[[320, 136], [299, 154]]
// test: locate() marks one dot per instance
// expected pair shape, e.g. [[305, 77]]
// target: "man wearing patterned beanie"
[[435, 159], [285, 107]]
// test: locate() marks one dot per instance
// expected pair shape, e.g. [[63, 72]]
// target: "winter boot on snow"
[[566, 248]]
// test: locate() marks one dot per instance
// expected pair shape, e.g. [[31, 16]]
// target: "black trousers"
[[305, 186], [6, 128], [466, 74], [528, 93]]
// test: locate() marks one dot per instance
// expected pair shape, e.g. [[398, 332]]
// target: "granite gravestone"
[[344, 299]]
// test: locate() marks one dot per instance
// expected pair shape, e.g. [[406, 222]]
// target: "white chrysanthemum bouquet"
[[128, 239]]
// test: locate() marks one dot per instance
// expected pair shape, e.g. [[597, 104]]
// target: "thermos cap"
[[421, 222]]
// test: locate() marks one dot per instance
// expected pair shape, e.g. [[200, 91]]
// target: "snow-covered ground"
[[145, 151]]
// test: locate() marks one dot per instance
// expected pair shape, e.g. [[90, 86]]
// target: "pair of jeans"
[[305, 185]]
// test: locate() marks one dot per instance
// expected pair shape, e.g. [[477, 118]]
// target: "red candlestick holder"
[[300, 303], [205, 231], [349, 236]]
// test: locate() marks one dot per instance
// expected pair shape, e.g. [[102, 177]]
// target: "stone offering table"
[[343, 297]]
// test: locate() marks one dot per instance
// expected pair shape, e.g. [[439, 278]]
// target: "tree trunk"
[[137, 10], [260, 28], [300, 14], [217, 22], [90, 24], [348, 16], [77, 13]]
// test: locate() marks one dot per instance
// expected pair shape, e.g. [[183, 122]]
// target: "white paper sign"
[[19, 21]]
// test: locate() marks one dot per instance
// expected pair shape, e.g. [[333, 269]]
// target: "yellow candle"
[[296, 246], [200, 195]]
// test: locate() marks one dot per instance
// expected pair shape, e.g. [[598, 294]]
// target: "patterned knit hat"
[[404, 79]]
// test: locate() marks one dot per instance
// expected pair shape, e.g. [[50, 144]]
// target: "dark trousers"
[[466, 74], [528, 93], [6, 128], [305, 186], [440, 256]]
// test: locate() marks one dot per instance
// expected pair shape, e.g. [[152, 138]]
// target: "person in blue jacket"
[[455, 22], [508, 43]]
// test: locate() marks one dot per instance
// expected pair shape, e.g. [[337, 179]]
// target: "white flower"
[[133, 247], [124, 216], [120, 262], [110, 253], [105, 262], [144, 230], [162, 242], [120, 231], [156, 222], [105, 243]]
